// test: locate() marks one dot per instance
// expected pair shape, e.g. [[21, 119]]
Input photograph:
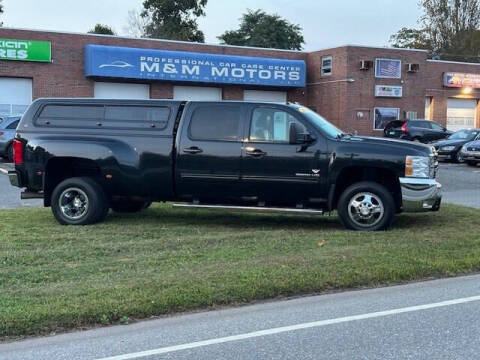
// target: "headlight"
[[417, 166], [447, 148]]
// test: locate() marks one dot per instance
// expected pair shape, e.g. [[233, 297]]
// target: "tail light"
[[17, 152], [1, 133], [404, 128]]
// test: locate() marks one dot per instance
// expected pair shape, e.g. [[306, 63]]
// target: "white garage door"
[[198, 93], [269, 96], [106, 90], [461, 113], [15, 95]]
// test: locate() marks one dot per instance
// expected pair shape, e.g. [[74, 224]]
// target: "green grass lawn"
[[165, 260]]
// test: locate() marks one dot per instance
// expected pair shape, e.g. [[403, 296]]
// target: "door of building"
[[197, 93], [108, 90], [461, 113], [267, 96], [15, 95]]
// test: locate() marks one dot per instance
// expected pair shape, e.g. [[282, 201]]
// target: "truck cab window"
[[215, 123], [272, 125]]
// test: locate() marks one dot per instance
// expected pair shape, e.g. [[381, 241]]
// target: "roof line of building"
[[153, 40], [370, 47], [453, 62], [208, 44]]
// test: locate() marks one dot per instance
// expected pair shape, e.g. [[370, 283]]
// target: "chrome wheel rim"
[[366, 209], [73, 203]]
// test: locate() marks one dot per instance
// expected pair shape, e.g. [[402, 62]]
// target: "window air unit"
[[366, 64], [412, 68]]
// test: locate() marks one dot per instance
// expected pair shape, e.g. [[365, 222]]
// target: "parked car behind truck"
[[471, 152], [84, 156], [8, 126], [450, 148], [423, 131]]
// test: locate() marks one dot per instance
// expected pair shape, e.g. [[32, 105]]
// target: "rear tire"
[[417, 140], [366, 206], [79, 201], [129, 206], [471, 163], [9, 153]]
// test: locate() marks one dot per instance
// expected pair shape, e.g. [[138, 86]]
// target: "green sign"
[[25, 50]]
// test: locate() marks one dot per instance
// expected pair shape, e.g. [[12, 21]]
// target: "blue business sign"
[[133, 63]]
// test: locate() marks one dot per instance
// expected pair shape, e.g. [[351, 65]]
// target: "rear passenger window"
[[215, 123], [13, 125], [134, 116], [436, 127], [422, 124]]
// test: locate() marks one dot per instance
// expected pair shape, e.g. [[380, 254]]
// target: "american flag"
[[388, 68]]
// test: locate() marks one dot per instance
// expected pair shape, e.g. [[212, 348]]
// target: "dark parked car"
[[471, 152], [8, 125], [424, 131], [450, 148], [84, 156]]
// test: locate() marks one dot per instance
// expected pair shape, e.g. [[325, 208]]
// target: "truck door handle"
[[192, 150], [255, 153]]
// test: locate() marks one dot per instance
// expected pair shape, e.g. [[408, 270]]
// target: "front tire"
[[459, 157], [366, 206], [79, 201]]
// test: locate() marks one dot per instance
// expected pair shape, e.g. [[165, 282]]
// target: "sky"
[[325, 23]]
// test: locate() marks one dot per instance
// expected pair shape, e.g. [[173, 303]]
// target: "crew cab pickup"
[[86, 156]]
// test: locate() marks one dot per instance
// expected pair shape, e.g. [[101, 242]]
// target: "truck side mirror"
[[298, 137]]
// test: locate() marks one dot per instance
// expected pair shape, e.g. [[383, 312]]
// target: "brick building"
[[357, 88]]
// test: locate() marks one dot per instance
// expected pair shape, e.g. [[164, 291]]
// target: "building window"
[[388, 68], [326, 66], [411, 115], [382, 116]]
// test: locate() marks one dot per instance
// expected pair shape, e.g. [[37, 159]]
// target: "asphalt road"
[[461, 185], [10, 195], [429, 320]]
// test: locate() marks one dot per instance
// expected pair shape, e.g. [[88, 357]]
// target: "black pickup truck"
[[86, 156]]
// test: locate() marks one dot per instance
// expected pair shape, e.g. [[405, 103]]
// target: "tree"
[[136, 24], [102, 29], [1, 11], [174, 19], [260, 29], [411, 39], [449, 30]]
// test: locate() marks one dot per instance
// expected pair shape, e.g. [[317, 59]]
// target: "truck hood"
[[475, 144], [402, 146]]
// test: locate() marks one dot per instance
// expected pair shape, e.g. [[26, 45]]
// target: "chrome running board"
[[254, 208]]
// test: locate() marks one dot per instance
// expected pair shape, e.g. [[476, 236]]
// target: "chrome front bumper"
[[420, 194], [471, 155]]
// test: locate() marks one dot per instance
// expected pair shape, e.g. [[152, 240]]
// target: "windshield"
[[463, 135], [322, 124]]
